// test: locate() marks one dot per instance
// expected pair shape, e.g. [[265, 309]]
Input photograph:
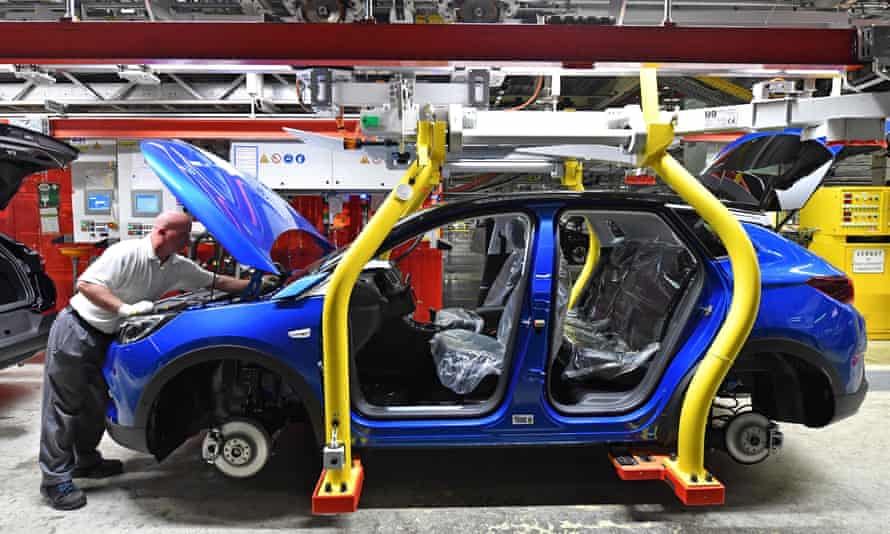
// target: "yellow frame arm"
[[415, 186], [573, 179], [689, 465]]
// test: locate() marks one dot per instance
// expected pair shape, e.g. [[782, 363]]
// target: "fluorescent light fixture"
[[518, 166], [137, 74]]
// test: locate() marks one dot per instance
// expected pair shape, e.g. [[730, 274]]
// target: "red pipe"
[[241, 129]]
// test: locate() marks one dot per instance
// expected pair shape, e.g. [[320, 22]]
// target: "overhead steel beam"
[[236, 83], [23, 92], [189, 89], [190, 128], [123, 91], [350, 44]]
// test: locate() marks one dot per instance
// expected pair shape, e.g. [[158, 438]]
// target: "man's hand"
[[140, 308]]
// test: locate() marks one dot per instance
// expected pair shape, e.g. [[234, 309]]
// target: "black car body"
[[26, 292]]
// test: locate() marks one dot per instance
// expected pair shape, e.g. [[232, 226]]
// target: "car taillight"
[[839, 288]]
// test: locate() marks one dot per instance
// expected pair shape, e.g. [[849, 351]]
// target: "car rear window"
[[703, 232]]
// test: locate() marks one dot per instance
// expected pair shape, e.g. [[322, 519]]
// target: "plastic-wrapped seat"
[[464, 357], [501, 288], [620, 328], [459, 318]]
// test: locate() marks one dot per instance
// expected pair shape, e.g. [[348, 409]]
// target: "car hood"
[[24, 152], [772, 171], [241, 213]]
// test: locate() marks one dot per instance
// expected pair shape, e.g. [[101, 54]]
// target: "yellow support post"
[[339, 488], [689, 479], [574, 180]]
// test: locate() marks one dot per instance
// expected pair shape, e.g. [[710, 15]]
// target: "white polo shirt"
[[133, 272]]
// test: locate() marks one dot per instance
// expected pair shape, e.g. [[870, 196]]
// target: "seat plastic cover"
[[451, 318], [511, 271], [463, 357], [620, 328], [604, 355]]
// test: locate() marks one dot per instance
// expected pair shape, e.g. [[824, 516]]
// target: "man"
[[123, 282]]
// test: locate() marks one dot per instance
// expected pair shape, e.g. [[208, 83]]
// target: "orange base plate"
[[336, 502], [655, 467], [645, 467], [695, 494]]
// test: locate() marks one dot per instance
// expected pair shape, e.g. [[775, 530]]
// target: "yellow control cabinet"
[[851, 230]]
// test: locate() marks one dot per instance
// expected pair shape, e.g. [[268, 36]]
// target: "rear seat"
[[619, 327]]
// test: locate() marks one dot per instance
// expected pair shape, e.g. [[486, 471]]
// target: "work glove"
[[140, 308], [270, 282]]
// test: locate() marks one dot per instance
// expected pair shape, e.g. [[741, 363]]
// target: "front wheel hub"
[[750, 438], [237, 451], [239, 448]]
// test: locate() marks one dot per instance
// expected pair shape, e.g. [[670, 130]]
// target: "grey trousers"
[[74, 398]]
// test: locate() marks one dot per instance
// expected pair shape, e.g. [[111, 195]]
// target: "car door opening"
[[610, 349], [454, 360]]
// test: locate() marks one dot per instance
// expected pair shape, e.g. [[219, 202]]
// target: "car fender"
[[230, 352], [801, 351], [668, 422]]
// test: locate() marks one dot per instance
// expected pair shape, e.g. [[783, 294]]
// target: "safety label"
[[868, 260], [721, 118]]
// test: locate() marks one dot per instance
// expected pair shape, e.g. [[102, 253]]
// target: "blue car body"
[[824, 337]]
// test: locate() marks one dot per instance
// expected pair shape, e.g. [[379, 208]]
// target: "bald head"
[[174, 219], [170, 233]]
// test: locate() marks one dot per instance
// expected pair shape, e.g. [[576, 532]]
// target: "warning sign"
[[288, 158], [301, 159], [276, 158], [364, 160], [264, 159], [868, 260]]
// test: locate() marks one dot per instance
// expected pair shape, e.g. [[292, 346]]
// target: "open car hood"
[[772, 171], [241, 213], [24, 152]]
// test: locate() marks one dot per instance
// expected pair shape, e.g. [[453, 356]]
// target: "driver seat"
[[464, 357], [501, 288]]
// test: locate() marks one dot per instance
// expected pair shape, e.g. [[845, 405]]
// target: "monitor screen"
[[146, 203], [98, 202]]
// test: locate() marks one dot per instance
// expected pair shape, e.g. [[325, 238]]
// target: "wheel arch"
[[182, 363], [779, 350]]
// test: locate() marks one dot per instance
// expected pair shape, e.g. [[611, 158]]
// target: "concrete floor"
[[831, 480]]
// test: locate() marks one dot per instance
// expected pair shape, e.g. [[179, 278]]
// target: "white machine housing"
[[142, 195], [294, 166], [94, 198]]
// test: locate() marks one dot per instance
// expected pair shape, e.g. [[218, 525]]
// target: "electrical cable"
[[306, 108], [506, 178], [481, 179], [531, 100]]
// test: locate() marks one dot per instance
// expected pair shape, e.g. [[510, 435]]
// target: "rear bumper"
[[131, 437], [847, 405]]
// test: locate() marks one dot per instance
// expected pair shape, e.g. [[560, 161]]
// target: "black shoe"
[[103, 469], [64, 496]]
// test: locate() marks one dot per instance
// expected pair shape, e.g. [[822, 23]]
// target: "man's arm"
[[230, 284], [100, 296]]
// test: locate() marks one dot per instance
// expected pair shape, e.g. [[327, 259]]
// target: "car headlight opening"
[[136, 328]]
